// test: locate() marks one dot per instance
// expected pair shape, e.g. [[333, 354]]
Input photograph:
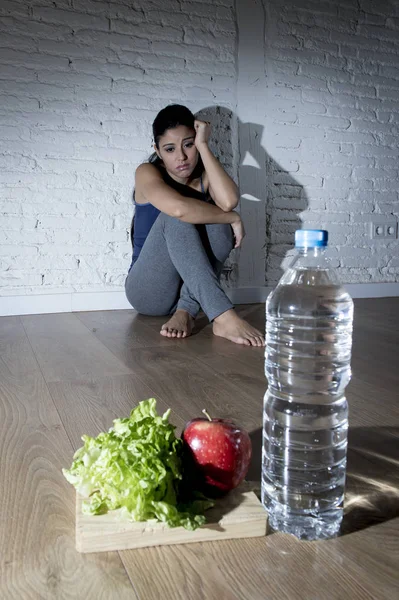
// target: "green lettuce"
[[137, 467]]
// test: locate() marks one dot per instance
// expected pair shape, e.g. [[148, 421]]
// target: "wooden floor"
[[68, 374]]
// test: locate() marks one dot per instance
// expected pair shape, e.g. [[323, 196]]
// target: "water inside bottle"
[[309, 333]]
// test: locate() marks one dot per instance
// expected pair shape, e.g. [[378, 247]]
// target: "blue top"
[[144, 218], [311, 238]]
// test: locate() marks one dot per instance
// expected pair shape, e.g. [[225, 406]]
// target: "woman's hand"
[[202, 133], [238, 231]]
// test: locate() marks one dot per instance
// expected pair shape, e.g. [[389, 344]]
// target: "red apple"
[[220, 452]]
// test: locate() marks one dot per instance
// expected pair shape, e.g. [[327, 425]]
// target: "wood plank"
[[238, 515], [375, 342], [15, 351], [371, 405], [275, 566], [188, 386], [127, 327], [372, 486], [66, 349], [89, 407], [37, 555], [37, 547], [370, 556], [240, 365], [183, 383], [253, 313]]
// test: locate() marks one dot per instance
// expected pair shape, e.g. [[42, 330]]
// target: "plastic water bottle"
[[305, 419]]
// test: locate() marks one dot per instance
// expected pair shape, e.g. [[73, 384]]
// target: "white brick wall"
[[80, 83], [332, 129]]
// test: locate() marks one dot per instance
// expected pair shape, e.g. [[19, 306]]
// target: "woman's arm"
[[221, 187], [150, 187]]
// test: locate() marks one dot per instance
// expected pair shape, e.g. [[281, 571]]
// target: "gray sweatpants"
[[179, 268]]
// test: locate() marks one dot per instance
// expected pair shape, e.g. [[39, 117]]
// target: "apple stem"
[[206, 414]]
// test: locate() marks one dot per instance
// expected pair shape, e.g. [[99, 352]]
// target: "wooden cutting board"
[[238, 515]]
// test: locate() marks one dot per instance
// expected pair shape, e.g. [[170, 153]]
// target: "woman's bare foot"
[[230, 326], [178, 326]]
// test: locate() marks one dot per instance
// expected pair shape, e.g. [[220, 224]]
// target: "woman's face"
[[178, 152]]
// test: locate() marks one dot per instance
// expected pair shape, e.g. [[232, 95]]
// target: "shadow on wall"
[[279, 198]]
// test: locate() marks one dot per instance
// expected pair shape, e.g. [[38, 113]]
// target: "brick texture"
[[80, 84], [81, 81], [332, 69]]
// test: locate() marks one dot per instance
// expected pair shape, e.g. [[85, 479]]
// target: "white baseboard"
[[251, 295], [61, 303], [88, 301], [373, 290]]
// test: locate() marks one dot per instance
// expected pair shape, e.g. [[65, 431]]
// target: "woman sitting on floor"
[[183, 230]]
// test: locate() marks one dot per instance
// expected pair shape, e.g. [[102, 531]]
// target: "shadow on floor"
[[372, 486]]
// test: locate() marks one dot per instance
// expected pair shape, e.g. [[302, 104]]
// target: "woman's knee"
[[146, 304], [174, 224], [221, 240], [151, 311], [144, 307]]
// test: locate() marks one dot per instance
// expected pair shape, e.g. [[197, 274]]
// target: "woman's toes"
[[179, 325]]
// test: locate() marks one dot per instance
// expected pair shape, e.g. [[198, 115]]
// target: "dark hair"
[[170, 117]]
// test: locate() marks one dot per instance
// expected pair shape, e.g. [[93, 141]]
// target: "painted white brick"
[[14, 133], [206, 80], [82, 81], [64, 4], [8, 40], [325, 122], [19, 237], [366, 102], [70, 137], [36, 90], [358, 90], [325, 73], [37, 181], [388, 185], [119, 42], [131, 12], [61, 250], [29, 31], [20, 278], [125, 142], [76, 166], [78, 49], [70, 80], [70, 18], [17, 9], [223, 3], [10, 72], [18, 163], [191, 51], [18, 250], [148, 31], [65, 209], [13, 103], [29, 59], [328, 99]]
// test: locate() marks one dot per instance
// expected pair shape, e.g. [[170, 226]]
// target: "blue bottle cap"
[[311, 238]]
